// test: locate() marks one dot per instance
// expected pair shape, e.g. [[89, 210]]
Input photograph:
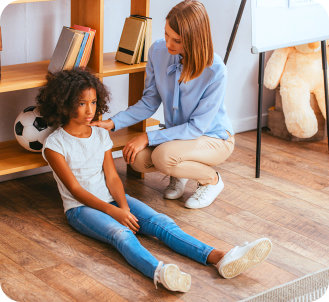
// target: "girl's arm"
[[113, 181], [64, 173]]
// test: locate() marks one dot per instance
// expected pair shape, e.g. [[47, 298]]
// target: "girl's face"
[[86, 107], [173, 41]]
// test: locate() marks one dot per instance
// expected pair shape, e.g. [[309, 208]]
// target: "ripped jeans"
[[103, 227]]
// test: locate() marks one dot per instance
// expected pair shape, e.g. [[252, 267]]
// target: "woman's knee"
[[143, 162], [164, 159]]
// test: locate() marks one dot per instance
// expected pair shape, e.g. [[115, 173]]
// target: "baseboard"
[[248, 123]]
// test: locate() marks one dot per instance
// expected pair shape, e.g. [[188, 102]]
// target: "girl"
[[185, 75], [94, 200]]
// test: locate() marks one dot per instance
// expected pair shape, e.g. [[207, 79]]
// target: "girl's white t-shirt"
[[85, 157]]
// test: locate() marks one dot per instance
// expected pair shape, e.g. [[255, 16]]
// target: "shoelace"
[[200, 192]]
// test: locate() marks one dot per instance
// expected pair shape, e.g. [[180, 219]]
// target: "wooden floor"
[[43, 259]]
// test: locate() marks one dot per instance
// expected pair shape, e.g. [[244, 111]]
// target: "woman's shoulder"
[[159, 46], [218, 68], [218, 63]]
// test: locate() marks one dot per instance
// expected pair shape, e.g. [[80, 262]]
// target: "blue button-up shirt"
[[191, 109]]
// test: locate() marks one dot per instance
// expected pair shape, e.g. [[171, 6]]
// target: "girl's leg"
[[103, 227], [229, 264], [192, 159], [164, 228]]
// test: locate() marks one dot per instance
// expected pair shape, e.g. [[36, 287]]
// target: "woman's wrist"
[[112, 126]]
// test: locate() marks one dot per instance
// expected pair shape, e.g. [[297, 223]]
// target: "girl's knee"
[[162, 220], [121, 235]]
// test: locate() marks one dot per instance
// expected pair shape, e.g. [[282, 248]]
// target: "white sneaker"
[[170, 276], [175, 188], [205, 195], [240, 258]]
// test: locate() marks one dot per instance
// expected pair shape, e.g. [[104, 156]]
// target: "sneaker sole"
[[254, 256], [177, 280], [165, 196]]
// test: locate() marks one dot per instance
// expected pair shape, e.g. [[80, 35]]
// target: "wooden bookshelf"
[[14, 158]]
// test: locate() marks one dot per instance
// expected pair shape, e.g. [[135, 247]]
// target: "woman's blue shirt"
[[191, 109]]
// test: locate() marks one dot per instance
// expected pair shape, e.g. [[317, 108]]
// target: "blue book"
[[82, 48]]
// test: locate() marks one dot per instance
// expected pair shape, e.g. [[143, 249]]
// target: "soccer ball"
[[31, 129]]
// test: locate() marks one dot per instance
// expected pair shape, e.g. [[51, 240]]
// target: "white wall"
[[30, 32]]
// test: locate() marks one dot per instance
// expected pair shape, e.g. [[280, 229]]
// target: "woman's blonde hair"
[[190, 20]]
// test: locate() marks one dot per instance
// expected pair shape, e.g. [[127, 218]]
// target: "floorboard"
[[43, 259]]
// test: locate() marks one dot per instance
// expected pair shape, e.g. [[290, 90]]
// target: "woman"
[[185, 75]]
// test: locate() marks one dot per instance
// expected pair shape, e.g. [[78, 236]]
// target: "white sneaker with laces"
[[241, 258], [175, 188], [205, 195], [170, 276]]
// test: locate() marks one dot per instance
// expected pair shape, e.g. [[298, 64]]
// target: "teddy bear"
[[299, 72]]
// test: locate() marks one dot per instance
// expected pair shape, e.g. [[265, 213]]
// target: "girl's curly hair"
[[58, 100]]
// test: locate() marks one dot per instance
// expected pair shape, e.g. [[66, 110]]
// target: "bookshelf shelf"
[[112, 67], [32, 75], [14, 158], [23, 76]]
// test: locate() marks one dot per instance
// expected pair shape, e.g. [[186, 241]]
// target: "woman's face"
[[86, 107], [173, 41]]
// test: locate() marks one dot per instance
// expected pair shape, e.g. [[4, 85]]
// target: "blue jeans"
[[103, 227]]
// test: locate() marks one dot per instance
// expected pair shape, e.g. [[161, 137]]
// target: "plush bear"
[[299, 72]]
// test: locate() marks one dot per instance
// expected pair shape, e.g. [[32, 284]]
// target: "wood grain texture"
[[43, 259]]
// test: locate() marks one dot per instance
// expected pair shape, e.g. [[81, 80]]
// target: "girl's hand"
[[107, 124], [127, 219], [134, 146]]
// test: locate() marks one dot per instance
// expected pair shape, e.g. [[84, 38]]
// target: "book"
[[140, 46], [87, 50], [130, 40], [62, 50], [74, 49], [82, 48], [148, 37], [89, 46]]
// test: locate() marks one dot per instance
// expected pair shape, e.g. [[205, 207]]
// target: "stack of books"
[[73, 48], [135, 41]]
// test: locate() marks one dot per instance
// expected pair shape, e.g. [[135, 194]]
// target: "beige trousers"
[[192, 159]]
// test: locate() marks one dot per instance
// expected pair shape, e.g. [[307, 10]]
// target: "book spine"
[[86, 55], [82, 48]]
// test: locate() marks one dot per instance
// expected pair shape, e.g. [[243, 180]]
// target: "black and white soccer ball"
[[31, 129]]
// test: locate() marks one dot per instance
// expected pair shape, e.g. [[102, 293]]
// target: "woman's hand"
[[107, 124], [134, 146], [127, 219]]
